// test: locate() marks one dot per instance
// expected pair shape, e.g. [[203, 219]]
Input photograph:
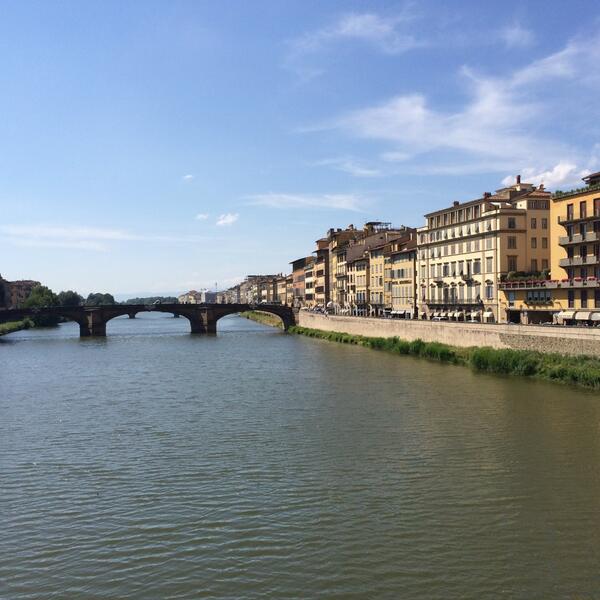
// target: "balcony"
[[572, 219], [578, 238], [578, 261]]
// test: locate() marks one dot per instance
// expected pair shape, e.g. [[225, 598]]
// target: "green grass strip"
[[13, 326], [263, 317], [582, 371]]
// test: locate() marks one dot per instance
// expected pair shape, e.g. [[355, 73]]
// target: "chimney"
[[518, 180], [455, 203], [487, 194], [541, 188]]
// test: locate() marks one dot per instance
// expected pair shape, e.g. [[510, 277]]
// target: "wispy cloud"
[[390, 35], [188, 178], [516, 36], [350, 166], [82, 238], [227, 219], [387, 34], [501, 127], [350, 202], [202, 216]]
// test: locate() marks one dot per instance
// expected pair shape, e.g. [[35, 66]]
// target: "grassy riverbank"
[[264, 318], [13, 326], [583, 371]]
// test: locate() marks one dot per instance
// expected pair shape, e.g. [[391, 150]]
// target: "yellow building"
[[401, 277], [571, 295], [376, 280], [466, 250], [321, 273]]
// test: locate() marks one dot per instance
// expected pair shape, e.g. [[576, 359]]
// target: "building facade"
[[466, 250]]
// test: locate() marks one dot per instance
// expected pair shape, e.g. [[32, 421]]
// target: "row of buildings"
[[521, 254], [14, 293]]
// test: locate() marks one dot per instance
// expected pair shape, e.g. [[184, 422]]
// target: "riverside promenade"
[[574, 341]]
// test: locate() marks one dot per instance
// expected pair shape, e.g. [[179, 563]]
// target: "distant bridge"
[[92, 320]]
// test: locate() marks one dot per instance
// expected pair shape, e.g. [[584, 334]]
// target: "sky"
[[155, 147]]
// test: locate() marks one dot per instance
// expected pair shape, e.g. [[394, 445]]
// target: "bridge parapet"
[[92, 320]]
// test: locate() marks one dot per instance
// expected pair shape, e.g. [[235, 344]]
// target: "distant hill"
[[152, 300]]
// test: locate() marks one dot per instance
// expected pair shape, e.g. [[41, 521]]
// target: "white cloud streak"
[[350, 166], [201, 216], [502, 126], [383, 33], [349, 202], [83, 238], [227, 219], [188, 178]]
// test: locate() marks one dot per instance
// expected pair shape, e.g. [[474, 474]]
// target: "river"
[[256, 464]]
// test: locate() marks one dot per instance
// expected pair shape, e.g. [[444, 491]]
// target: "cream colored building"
[[466, 250]]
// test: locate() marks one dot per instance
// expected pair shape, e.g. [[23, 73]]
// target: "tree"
[[69, 298], [98, 299], [41, 297]]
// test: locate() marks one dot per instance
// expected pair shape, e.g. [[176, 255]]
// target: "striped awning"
[[583, 315], [596, 316], [566, 314]]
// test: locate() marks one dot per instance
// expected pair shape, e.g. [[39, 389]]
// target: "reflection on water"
[[253, 464]]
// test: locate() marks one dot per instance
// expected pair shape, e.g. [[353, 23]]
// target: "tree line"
[[42, 296]]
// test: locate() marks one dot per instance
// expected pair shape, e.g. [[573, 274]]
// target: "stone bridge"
[[93, 319]]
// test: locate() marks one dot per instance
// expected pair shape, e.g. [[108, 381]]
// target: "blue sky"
[[150, 147]]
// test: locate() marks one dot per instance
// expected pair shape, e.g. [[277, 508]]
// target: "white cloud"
[[83, 238], [188, 178], [227, 219], [517, 36], [202, 216], [502, 126], [384, 33], [563, 173], [350, 166], [350, 202]]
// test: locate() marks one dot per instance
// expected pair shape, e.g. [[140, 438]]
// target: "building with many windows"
[[401, 276], [571, 294], [466, 250]]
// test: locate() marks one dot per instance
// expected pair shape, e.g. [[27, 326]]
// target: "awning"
[[596, 316], [443, 314], [583, 315], [566, 314], [488, 313], [475, 314], [459, 314], [437, 313], [398, 312]]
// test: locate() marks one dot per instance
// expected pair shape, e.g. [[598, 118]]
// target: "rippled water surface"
[[255, 464]]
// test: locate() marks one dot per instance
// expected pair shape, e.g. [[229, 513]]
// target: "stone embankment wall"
[[563, 340]]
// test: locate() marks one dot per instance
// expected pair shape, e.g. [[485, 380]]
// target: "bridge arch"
[[285, 313]]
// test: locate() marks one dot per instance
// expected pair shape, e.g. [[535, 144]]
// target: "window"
[[597, 207], [489, 291], [544, 242], [533, 223], [511, 298], [584, 298], [534, 242], [544, 264], [476, 267], [488, 243], [534, 265], [512, 263], [512, 223], [596, 298], [512, 242], [544, 223], [489, 264], [569, 212], [583, 210], [571, 296]]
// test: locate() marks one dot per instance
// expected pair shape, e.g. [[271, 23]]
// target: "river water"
[[255, 464]]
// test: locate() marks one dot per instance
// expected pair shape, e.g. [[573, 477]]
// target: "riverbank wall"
[[551, 340]]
